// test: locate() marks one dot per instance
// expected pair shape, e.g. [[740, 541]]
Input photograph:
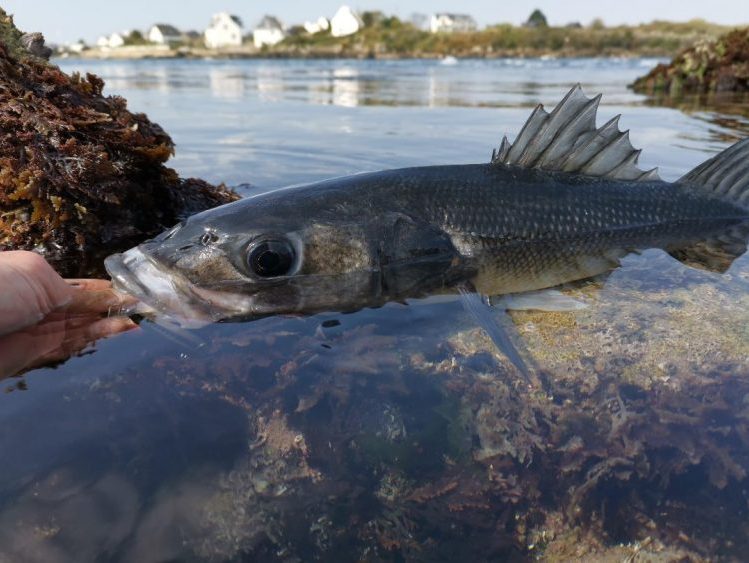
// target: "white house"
[[268, 32], [77, 47], [452, 22], [164, 34], [345, 22], [225, 31], [112, 41], [320, 24], [116, 40]]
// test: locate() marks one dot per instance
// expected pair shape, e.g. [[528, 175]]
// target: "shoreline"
[[251, 54]]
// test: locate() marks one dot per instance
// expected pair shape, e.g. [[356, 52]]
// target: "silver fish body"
[[508, 226]]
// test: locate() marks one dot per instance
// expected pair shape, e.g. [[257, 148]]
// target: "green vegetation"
[[720, 65], [537, 19], [135, 37], [385, 36]]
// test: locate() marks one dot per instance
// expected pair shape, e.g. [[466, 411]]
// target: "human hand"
[[44, 318]]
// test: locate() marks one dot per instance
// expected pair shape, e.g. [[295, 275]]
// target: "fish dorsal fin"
[[726, 175], [567, 140]]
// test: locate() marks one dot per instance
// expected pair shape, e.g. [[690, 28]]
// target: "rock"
[[80, 175], [708, 66], [34, 44]]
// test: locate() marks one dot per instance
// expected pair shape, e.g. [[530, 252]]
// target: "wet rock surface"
[[708, 67], [80, 175]]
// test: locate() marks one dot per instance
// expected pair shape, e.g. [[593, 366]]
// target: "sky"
[[68, 20]]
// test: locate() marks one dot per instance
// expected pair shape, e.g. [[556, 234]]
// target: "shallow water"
[[397, 433]]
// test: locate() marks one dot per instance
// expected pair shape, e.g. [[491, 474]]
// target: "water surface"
[[398, 433]]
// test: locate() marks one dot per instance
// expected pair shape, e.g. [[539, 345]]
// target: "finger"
[[31, 289], [80, 338], [99, 301], [89, 284], [109, 327], [21, 349]]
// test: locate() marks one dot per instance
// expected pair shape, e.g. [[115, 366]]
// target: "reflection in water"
[[54, 339], [438, 114], [226, 83], [397, 433], [270, 84], [346, 86]]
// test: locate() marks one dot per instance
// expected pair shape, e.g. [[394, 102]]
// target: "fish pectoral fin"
[[484, 315], [551, 300]]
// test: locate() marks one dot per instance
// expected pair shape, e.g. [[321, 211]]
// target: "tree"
[[537, 19], [372, 18], [135, 37]]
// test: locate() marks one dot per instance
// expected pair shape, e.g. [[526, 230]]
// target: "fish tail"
[[725, 175]]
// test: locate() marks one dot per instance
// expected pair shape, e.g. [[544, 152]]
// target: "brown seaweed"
[[81, 175], [708, 67]]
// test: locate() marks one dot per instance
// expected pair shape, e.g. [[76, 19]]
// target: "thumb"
[[31, 289]]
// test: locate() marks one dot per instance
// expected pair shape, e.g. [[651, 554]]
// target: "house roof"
[[224, 16], [270, 22], [345, 10], [167, 29], [456, 17]]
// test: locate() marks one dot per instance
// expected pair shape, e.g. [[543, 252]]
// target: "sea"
[[399, 433]]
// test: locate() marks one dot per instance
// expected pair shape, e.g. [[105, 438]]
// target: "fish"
[[564, 201]]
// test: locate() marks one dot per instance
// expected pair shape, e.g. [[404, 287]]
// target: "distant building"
[[77, 47], [448, 23], [345, 22], [320, 24], [268, 32], [116, 40], [164, 34], [225, 31], [111, 42]]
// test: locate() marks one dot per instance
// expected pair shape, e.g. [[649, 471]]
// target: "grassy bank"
[[392, 38]]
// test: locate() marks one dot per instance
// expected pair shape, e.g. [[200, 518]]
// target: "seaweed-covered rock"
[[721, 65], [80, 175]]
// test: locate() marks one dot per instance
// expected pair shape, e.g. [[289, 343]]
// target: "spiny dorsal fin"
[[726, 174], [567, 140]]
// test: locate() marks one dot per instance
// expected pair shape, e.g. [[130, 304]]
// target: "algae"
[[80, 175], [709, 66]]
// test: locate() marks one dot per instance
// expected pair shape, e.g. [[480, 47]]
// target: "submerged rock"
[[720, 65], [80, 175]]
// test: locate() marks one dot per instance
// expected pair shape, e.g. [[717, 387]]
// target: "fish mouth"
[[136, 273], [123, 277]]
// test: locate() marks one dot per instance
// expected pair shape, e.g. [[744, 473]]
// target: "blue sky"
[[62, 20]]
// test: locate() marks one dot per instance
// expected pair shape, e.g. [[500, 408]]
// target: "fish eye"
[[271, 258], [208, 237]]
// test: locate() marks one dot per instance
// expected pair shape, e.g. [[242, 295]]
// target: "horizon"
[[60, 23]]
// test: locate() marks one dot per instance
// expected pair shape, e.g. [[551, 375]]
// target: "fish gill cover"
[[80, 175]]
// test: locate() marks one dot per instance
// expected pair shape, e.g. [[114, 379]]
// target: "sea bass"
[[565, 201]]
